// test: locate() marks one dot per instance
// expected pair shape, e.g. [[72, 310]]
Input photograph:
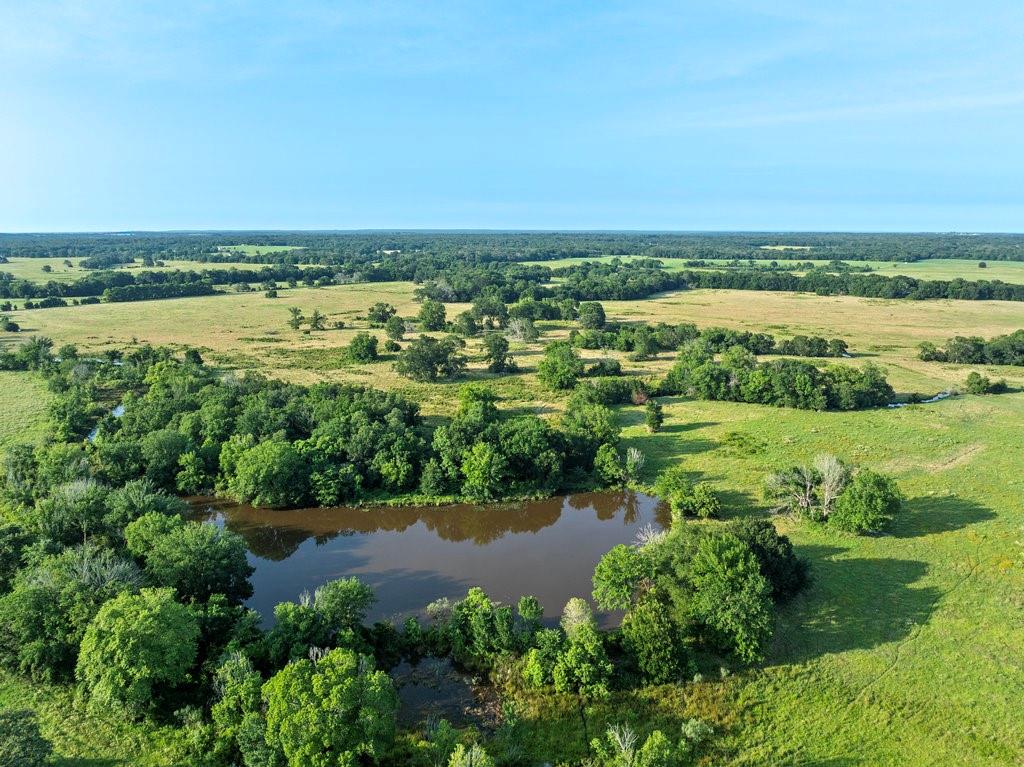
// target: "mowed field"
[[906, 648], [931, 269]]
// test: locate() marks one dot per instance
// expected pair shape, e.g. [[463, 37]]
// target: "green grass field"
[[906, 649], [23, 402]]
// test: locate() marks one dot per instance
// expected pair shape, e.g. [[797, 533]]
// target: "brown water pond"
[[413, 556]]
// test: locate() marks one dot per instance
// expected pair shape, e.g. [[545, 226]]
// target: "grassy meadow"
[[906, 648]]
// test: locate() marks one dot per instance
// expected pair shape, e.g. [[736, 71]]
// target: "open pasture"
[[249, 331]]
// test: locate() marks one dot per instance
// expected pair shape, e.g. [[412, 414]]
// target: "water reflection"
[[412, 556]]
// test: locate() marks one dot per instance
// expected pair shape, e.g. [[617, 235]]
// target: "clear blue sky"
[[824, 114]]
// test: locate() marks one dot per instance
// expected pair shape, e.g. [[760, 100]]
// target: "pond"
[[413, 556]]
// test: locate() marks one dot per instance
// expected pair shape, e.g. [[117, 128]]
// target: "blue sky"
[[833, 114]]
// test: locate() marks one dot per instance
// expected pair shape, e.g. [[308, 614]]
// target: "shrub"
[[362, 348], [868, 504], [560, 367]]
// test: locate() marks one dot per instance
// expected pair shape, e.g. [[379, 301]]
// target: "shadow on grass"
[[679, 428], [852, 604], [942, 514]]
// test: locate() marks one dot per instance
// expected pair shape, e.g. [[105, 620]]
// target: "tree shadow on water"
[[852, 604], [928, 515]]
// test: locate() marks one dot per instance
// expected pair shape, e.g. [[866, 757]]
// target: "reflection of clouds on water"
[[411, 556]]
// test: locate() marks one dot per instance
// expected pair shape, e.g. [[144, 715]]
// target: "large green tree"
[[136, 648], [334, 712]]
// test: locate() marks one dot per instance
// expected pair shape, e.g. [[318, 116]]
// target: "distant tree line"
[[481, 247]]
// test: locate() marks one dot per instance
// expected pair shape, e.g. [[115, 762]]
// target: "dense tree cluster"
[[185, 429], [645, 340], [973, 350], [696, 588], [739, 377]]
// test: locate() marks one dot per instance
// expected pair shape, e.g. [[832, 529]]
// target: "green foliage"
[[619, 748], [428, 359], [484, 468], [561, 366], [193, 478], [654, 416], [781, 567], [237, 708], [730, 596], [586, 427], [431, 315], [394, 328], [583, 667], [739, 377], [362, 348], [380, 313], [608, 466], [685, 498], [73, 512], [136, 648], [470, 756], [196, 559], [869, 503], [591, 315], [496, 354], [653, 641], [979, 384], [44, 617], [14, 540], [21, 742], [336, 711], [270, 474], [618, 575], [343, 603]]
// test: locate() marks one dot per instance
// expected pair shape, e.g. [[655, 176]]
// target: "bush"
[[685, 498], [362, 348], [979, 384], [560, 367], [868, 504]]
